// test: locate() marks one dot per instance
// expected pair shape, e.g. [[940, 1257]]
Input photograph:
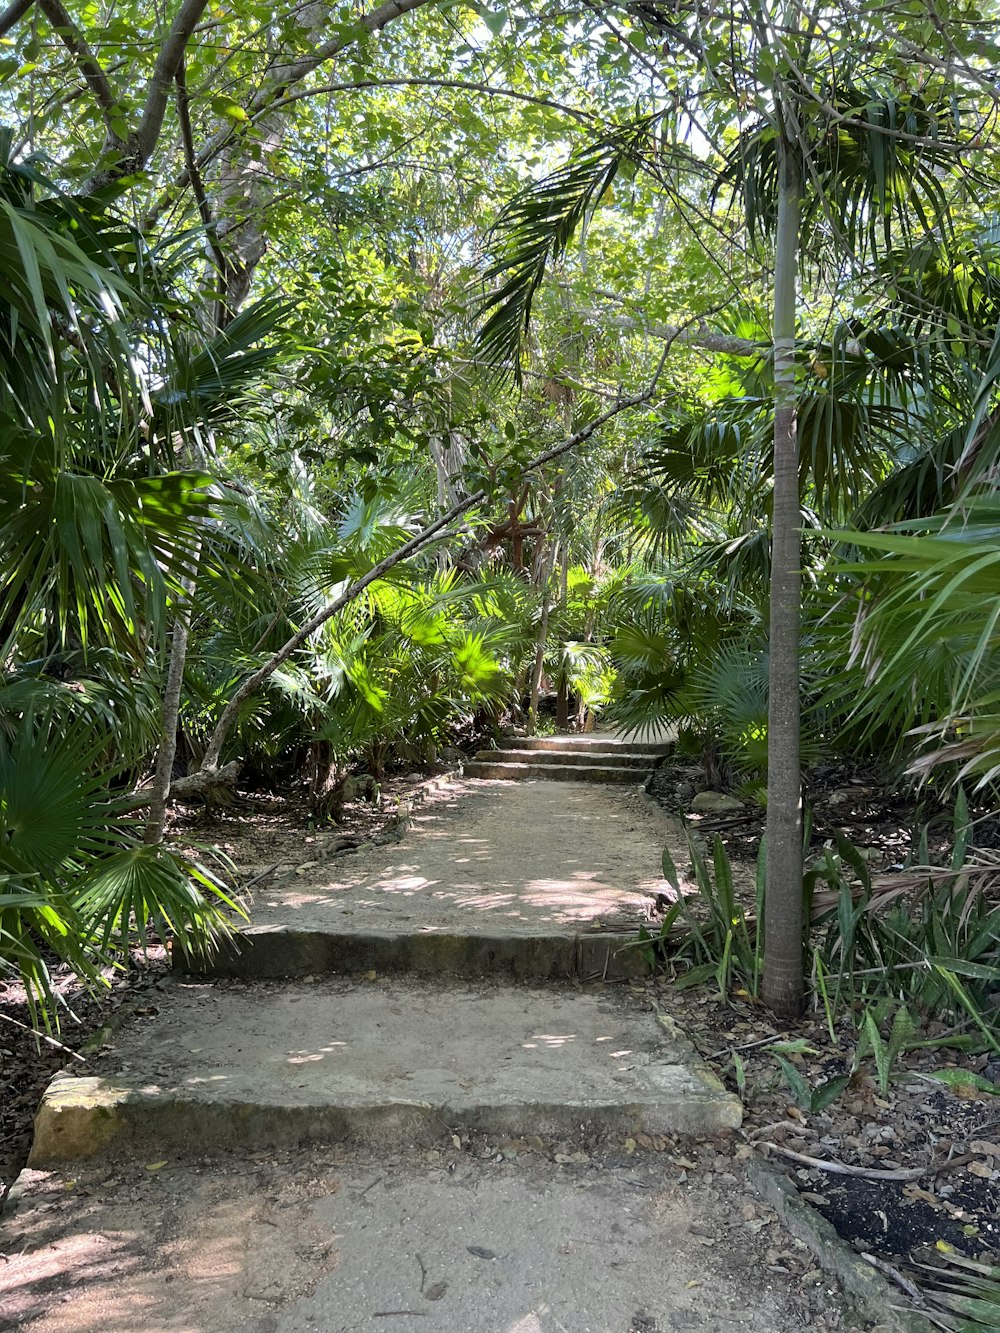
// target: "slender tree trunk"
[[562, 698], [783, 985], [543, 631]]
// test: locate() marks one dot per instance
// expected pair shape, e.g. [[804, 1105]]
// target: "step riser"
[[83, 1118], [582, 745], [570, 758], [287, 953], [554, 772]]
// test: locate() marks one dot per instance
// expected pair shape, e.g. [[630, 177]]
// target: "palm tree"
[[814, 174], [100, 534]]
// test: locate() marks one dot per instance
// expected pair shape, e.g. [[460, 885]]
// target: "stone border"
[[871, 1294]]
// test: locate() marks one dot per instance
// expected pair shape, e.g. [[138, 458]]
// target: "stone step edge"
[[274, 951], [82, 1117], [581, 745], [568, 758], [555, 772]]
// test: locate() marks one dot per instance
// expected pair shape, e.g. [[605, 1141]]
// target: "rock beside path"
[[715, 803]]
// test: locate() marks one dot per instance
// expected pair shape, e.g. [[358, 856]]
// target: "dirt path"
[[480, 1239], [521, 856], [391, 1152]]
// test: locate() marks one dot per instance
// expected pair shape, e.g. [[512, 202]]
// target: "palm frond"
[[534, 231]]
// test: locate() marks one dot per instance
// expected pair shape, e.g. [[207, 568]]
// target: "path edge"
[[871, 1294]]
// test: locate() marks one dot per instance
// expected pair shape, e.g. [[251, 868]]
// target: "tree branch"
[[164, 73], [198, 187], [91, 69], [694, 334], [421, 539], [265, 99], [488, 90], [13, 14]]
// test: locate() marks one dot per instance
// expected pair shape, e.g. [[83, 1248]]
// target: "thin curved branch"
[[198, 187], [585, 117]]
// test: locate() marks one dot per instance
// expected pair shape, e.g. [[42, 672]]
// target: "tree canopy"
[[370, 370]]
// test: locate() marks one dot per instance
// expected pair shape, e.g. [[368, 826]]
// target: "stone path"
[[339, 1152]]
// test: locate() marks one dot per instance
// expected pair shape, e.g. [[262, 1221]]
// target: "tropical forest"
[[449, 450]]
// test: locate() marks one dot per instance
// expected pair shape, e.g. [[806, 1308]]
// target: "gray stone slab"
[[380, 1063], [637, 761], [271, 952], [592, 742], [553, 771], [486, 859]]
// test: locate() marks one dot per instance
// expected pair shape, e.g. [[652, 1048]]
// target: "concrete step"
[[271, 952], [590, 743], [477, 768], [379, 1064], [604, 758]]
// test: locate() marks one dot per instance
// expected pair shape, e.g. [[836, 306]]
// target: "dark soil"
[[865, 803], [953, 1137]]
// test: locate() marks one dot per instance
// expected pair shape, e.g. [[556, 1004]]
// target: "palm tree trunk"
[[783, 984], [562, 698]]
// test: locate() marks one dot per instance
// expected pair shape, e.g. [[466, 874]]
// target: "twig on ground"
[[844, 1169], [752, 1135], [40, 1036], [263, 875], [746, 1046], [899, 1278]]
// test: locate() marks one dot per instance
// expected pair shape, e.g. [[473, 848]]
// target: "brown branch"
[[197, 185], [90, 67], [416, 543], [164, 73], [868, 1172], [13, 14]]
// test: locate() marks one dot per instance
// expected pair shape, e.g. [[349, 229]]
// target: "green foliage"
[[720, 942], [926, 611], [536, 227], [964, 1293], [811, 1099], [927, 946], [885, 1051]]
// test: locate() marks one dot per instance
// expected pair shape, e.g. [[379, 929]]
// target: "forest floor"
[[947, 1140]]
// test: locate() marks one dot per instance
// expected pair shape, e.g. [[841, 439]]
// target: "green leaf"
[[670, 871], [225, 106], [495, 19], [827, 1093], [957, 1079], [799, 1088]]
